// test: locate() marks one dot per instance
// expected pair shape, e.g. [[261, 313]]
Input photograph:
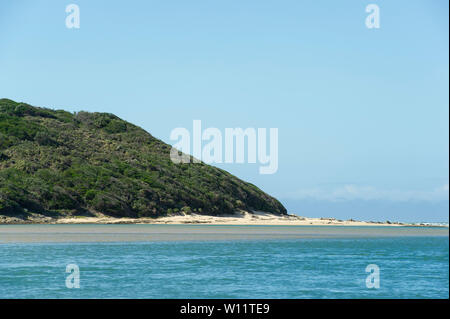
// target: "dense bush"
[[62, 162]]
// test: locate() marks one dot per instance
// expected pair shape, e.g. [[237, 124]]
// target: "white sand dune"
[[241, 218]]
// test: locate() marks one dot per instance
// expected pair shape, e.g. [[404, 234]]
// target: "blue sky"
[[362, 113]]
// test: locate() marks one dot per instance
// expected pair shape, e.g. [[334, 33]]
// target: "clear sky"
[[362, 113]]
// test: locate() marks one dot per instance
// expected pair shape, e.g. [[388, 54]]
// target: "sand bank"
[[241, 218], [68, 233]]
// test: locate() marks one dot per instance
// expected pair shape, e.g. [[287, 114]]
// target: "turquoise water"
[[410, 267]]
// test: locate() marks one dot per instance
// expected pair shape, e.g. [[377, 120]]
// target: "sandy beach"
[[240, 218]]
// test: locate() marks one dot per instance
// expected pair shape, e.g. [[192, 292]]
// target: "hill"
[[60, 163]]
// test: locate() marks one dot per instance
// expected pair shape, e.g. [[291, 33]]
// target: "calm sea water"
[[305, 267]]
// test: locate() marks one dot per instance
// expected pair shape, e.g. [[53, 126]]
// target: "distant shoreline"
[[242, 218]]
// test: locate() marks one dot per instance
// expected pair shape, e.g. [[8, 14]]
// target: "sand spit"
[[240, 218]]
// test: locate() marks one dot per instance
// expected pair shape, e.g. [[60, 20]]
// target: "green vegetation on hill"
[[63, 163]]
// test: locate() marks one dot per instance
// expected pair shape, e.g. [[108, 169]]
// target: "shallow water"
[[115, 233], [205, 261]]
